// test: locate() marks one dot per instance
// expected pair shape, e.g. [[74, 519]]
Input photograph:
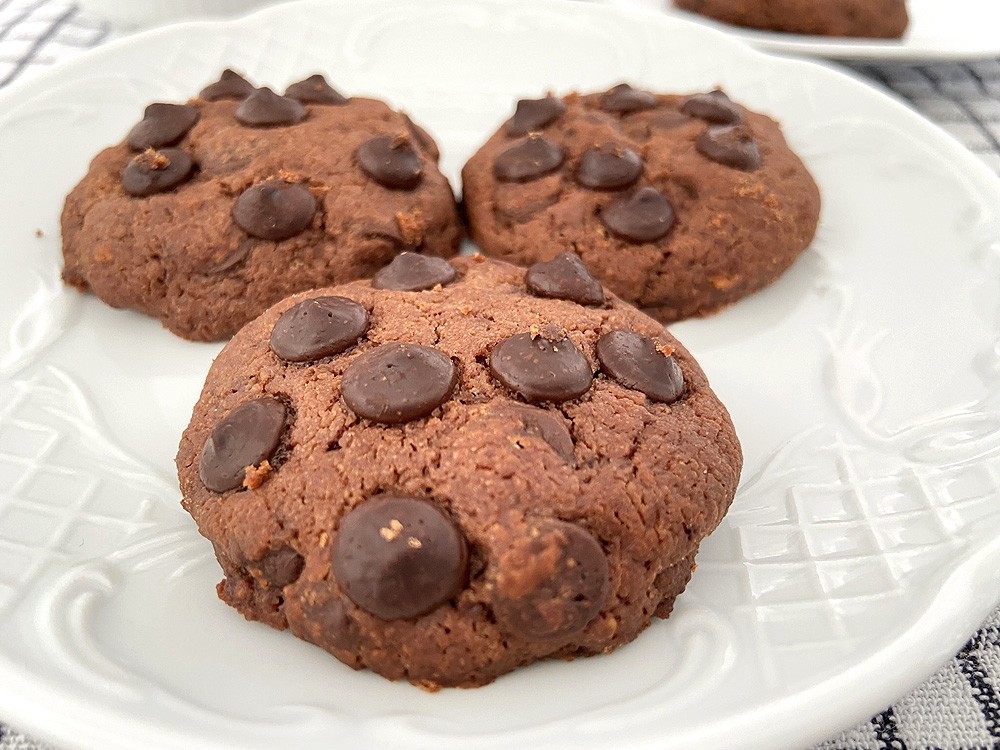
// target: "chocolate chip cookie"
[[679, 204], [211, 211], [457, 468], [875, 19]]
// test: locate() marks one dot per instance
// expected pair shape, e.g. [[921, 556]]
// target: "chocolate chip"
[[713, 106], [564, 277], [318, 327], [396, 383], [231, 85], [391, 161], [315, 90], [154, 172], [730, 146], [423, 138], [248, 435], [265, 109], [278, 568], [399, 557], [608, 167], [635, 361], [539, 369], [534, 114], [625, 99], [531, 158], [328, 621], [162, 125], [552, 583], [274, 210], [644, 216], [547, 427], [412, 272]]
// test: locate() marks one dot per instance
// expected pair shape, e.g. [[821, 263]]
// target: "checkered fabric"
[[956, 709]]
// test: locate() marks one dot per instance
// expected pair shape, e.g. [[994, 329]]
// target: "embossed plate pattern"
[[862, 549], [939, 30]]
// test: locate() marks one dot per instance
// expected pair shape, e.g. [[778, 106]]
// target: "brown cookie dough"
[[213, 210], [874, 19], [442, 485], [679, 204]]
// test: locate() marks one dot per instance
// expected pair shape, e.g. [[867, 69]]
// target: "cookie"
[[211, 211], [679, 204], [457, 469], [874, 19]]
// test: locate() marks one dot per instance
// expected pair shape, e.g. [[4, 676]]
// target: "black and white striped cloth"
[[956, 709]]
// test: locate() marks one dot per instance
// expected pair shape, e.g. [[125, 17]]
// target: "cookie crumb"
[[392, 532], [256, 475], [413, 543], [39, 233]]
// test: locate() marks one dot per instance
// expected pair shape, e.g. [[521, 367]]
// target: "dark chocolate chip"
[[162, 125], [713, 106], [315, 90], [534, 114], [552, 583], [564, 277], [330, 624], [154, 172], [636, 362], [731, 146], [278, 568], [231, 85], [539, 369], [608, 167], [274, 210], [644, 216], [391, 161], [318, 327], [412, 272], [399, 557], [547, 427], [624, 99], [265, 109], [247, 436], [396, 383], [531, 158], [423, 138]]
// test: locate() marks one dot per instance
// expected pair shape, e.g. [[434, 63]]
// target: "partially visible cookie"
[[213, 210], [679, 204], [874, 19], [458, 469]]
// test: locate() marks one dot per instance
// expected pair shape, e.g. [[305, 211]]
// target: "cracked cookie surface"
[[211, 211], [681, 205], [456, 474]]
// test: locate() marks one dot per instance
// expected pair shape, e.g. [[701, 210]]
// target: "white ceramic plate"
[[938, 30], [862, 549]]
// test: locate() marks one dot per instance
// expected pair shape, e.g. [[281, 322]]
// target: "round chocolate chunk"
[[625, 99], [547, 427], [231, 85], [608, 167], [265, 109], [247, 436], [318, 327], [162, 125], [540, 369], [564, 277], [315, 90], [731, 146], [637, 362], [391, 161], [278, 568], [531, 158], [713, 106], [154, 172], [412, 272], [396, 383], [550, 584], [644, 216], [399, 557], [534, 114], [274, 210]]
